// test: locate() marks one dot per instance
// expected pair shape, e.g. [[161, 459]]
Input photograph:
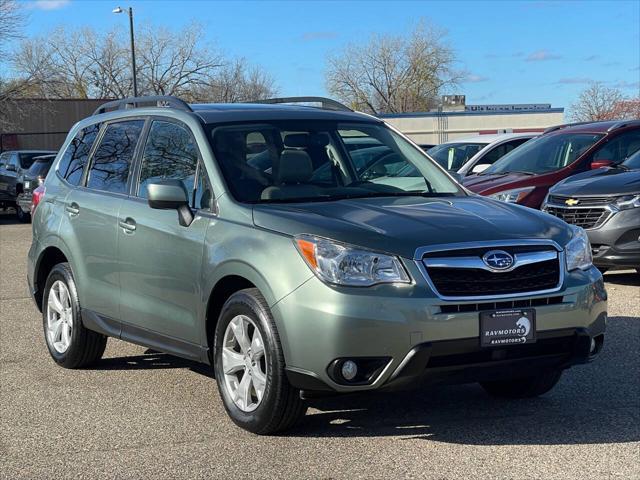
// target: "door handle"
[[128, 225], [73, 208]]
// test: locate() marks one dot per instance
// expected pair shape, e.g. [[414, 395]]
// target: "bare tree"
[[236, 81], [598, 102], [12, 20], [394, 73], [174, 63], [88, 64]]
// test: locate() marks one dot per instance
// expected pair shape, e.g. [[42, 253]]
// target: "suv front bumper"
[[617, 242], [406, 327]]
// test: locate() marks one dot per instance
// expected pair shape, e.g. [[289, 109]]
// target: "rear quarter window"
[[74, 159]]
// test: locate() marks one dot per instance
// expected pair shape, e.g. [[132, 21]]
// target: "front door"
[[161, 260]]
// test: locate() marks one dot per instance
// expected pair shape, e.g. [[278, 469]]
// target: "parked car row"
[[587, 174], [20, 172]]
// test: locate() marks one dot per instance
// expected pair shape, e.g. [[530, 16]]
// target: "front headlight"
[[578, 250], [512, 196], [343, 264], [627, 202]]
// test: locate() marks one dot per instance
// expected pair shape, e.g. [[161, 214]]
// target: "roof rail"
[[623, 123], [326, 103], [564, 125], [135, 102]]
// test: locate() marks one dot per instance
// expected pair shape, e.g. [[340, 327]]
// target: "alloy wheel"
[[244, 363], [59, 317]]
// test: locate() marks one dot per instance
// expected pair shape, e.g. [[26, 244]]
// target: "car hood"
[[600, 182], [481, 183], [401, 225]]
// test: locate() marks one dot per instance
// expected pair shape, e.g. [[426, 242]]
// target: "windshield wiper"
[[410, 193]]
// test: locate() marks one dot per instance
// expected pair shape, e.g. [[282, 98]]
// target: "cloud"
[[50, 4], [634, 69], [542, 56], [311, 36], [574, 80], [624, 84], [474, 79], [591, 58]]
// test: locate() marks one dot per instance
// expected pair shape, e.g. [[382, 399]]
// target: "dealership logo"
[[524, 326], [498, 260], [571, 202]]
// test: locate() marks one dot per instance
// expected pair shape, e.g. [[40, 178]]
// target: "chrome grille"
[[462, 274], [582, 217]]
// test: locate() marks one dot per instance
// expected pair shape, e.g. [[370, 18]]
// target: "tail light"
[[36, 196]]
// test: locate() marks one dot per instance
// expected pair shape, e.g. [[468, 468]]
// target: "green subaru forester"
[[301, 251]]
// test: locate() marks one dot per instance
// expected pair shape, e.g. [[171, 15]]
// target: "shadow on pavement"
[[626, 277], [8, 217], [592, 404], [151, 360]]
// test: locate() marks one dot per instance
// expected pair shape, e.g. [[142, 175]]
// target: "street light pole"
[[133, 48], [133, 54]]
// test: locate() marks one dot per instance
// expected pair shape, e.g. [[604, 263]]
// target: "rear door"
[[91, 215], [161, 260]]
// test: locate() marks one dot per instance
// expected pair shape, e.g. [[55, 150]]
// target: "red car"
[[525, 174]]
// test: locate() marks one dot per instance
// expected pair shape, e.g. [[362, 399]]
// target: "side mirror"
[[10, 168], [481, 167], [599, 163], [170, 195]]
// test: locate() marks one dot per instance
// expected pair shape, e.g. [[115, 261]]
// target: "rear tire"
[[523, 387], [278, 407], [70, 344], [22, 216]]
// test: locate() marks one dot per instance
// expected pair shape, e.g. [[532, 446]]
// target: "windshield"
[[285, 161], [545, 154], [633, 162], [27, 159], [452, 156], [40, 168]]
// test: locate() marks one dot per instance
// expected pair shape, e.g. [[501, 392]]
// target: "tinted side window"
[[620, 147], [169, 153], [75, 157], [112, 159]]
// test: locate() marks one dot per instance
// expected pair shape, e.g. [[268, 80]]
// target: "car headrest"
[[304, 140], [294, 166]]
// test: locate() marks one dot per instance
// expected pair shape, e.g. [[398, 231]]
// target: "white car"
[[475, 154]]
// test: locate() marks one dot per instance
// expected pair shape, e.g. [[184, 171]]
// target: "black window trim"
[[135, 180], [134, 158]]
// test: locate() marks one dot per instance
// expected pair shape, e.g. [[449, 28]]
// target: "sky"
[[513, 51]]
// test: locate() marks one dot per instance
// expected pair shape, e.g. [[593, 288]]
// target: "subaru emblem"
[[498, 260]]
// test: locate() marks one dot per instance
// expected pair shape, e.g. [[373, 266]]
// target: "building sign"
[[516, 107]]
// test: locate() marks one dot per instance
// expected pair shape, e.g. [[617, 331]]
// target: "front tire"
[[250, 369], [22, 216], [70, 344], [523, 387]]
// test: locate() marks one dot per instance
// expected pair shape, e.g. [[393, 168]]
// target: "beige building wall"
[[434, 128]]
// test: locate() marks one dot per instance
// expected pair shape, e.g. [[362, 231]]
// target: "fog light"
[[349, 370], [592, 348]]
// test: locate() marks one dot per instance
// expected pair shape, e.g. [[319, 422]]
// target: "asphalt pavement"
[[139, 414]]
